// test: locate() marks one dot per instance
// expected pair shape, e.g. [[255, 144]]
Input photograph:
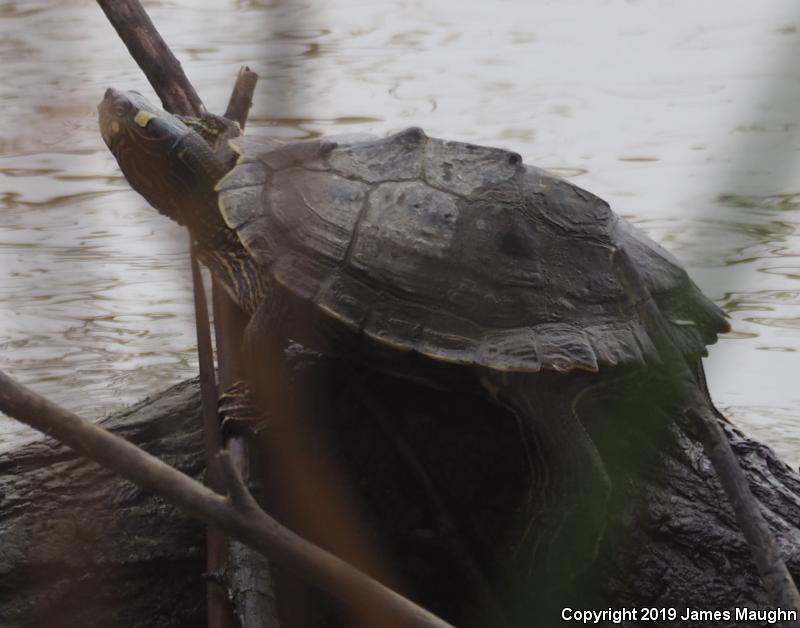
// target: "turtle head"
[[126, 117], [161, 157], [175, 169]]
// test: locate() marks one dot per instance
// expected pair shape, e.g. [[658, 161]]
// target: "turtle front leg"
[[570, 486], [238, 410], [249, 404], [276, 365]]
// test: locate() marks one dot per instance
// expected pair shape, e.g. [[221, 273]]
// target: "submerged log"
[[439, 479]]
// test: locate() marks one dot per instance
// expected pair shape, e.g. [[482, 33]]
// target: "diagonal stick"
[[238, 514], [771, 568]]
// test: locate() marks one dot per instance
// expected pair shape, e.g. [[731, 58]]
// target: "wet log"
[[441, 489], [237, 513], [80, 546], [683, 547]]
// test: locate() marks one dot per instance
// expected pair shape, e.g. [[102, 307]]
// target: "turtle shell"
[[459, 252]]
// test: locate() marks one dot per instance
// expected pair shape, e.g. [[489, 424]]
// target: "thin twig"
[[220, 612], [252, 526], [177, 95], [153, 56], [237, 491], [776, 577], [242, 96], [208, 384], [771, 568], [250, 578], [165, 74]]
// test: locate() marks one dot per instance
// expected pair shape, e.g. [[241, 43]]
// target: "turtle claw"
[[238, 412]]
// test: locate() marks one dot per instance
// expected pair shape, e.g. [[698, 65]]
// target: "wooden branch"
[[208, 384], [776, 577], [249, 577], [177, 95], [220, 612], [229, 319], [771, 568], [242, 96], [242, 521], [238, 494], [153, 56]]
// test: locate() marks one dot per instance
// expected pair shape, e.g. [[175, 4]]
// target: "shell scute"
[[405, 227], [241, 203], [296, 153], [565, 206], [397, 157], [464, 168]]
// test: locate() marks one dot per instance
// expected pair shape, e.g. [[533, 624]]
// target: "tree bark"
[[238, 515], [82, 547]]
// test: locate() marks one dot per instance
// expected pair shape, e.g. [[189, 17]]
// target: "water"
[[683, 115]]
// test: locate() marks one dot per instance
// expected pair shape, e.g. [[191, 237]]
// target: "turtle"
[[421, 257]]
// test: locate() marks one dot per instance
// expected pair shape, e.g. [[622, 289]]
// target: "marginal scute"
[[299, 273], [510, 350], [614, 344], [395, 327], [445, 346], [344, 298], [565, 348], [264, 246]]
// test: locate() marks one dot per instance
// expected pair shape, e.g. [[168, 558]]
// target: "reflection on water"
[[683, 115]]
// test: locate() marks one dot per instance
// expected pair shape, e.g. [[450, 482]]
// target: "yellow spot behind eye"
[[143, 117], [114, 126]]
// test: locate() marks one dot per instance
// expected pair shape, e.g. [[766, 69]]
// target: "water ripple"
[[669, 111]]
